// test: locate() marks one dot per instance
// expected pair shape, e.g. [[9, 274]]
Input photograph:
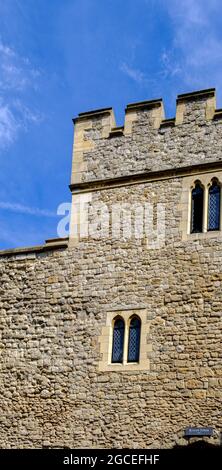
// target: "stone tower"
[[112, 338]]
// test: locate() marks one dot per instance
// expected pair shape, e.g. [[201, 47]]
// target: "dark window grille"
[[214, 207], [134, 340], [197, 209], [118, 340]]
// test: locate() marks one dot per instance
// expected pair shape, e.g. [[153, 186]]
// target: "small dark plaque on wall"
[[189, 432]]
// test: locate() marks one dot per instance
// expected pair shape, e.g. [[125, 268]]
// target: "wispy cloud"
[[8, 125], [17, 76], [196, 53], [135, 74], [16, 72], [19, 208], [188, 11], [170, 67]]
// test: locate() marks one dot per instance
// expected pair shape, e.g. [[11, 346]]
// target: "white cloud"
[[26, 114], [8, 126], [196, 53], [17, 76], [19, 208], [16, 72], [5, 50], [188, 11], [136, 75], [170, 66]]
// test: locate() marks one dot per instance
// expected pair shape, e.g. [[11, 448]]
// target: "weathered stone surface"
[[53, 307], [148, 148]]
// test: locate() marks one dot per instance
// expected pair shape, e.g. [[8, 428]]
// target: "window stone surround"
[[185, 206], [106, 339]]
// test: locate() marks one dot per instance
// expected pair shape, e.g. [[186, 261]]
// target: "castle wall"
[[56, 386], [54, 306]]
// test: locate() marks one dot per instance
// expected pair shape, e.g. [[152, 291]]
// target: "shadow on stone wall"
[[201, 444]]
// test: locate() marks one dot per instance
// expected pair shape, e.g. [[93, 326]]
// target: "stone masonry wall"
[[193, 138], [52, 309], [54, 304]]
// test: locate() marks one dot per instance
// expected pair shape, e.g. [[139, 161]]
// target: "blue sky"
[[61, 57]]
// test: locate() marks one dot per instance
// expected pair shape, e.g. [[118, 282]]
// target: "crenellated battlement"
[[106, 118], [147, 140], [155, 108]]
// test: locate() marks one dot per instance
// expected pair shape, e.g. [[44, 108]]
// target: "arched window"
[[214, 206], [134, 340], [118, 340], [197, 209]]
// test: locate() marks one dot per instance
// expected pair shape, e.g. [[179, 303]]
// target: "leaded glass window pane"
[[197, 209], [134, 340], [118, 340], [214, 207]]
